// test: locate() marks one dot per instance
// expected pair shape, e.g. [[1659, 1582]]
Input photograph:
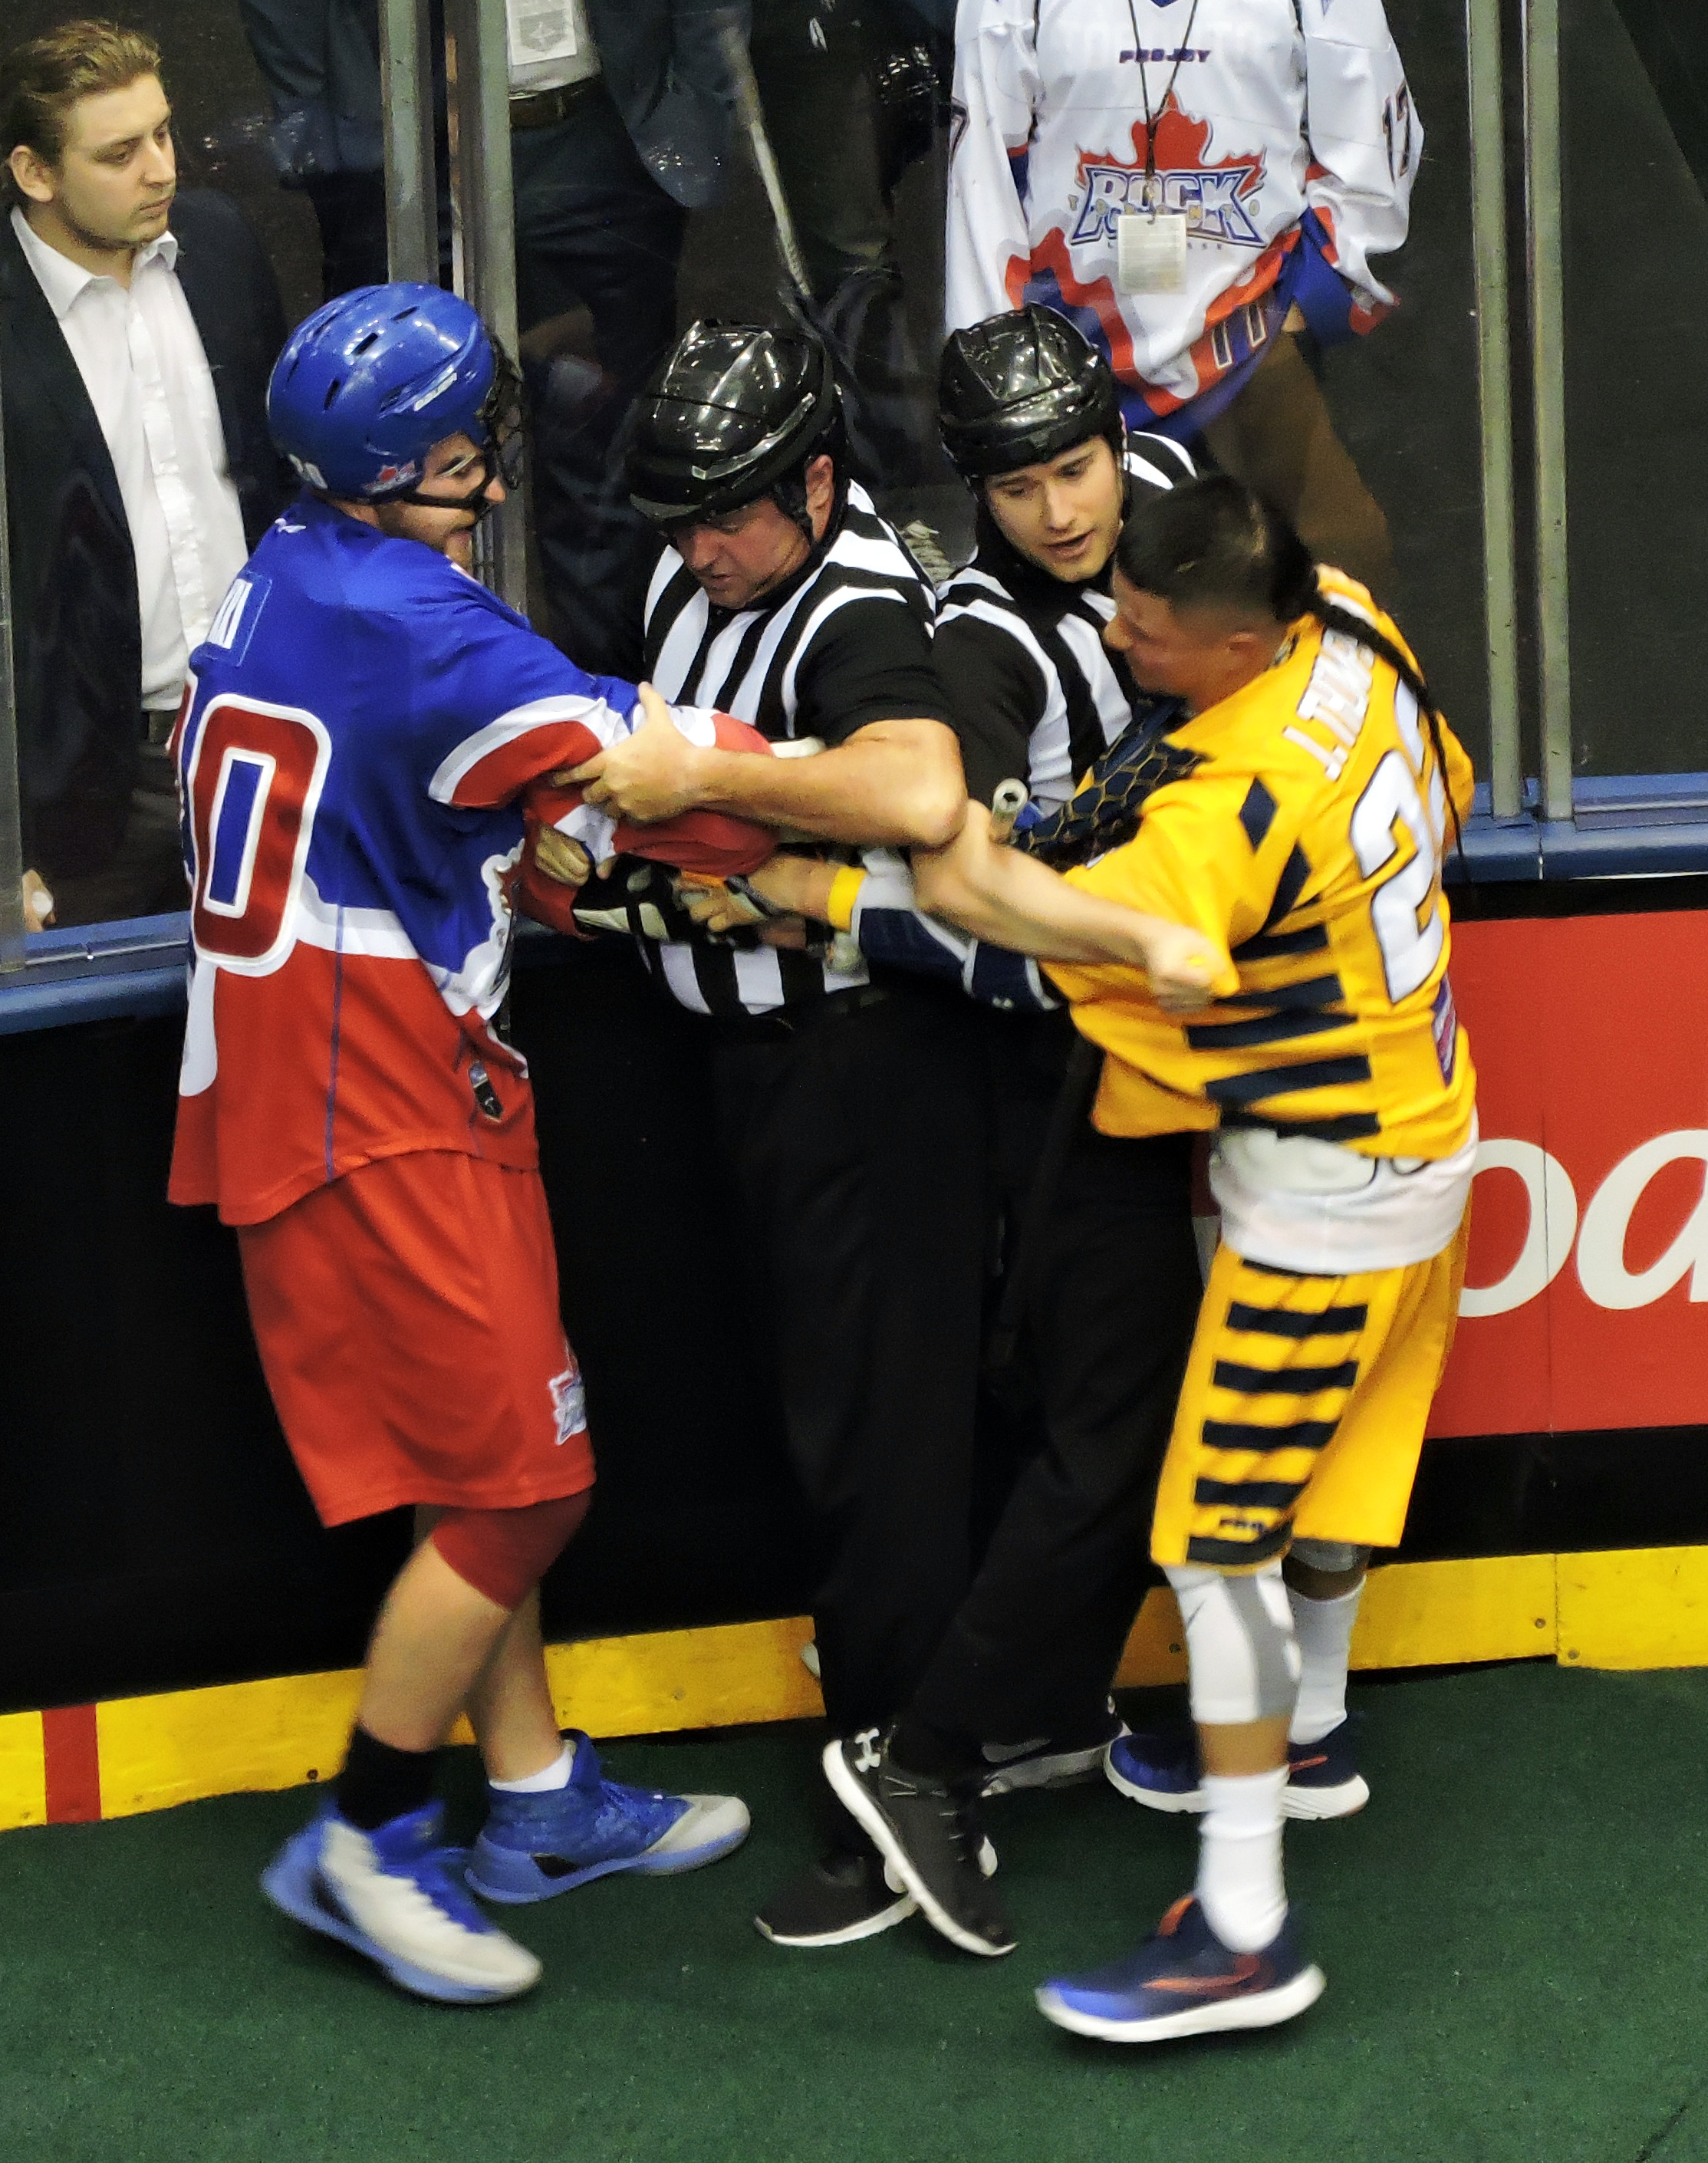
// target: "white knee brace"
[[1245, 1659], [1332, 1558]]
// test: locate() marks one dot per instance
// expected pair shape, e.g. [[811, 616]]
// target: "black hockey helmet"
[[733, 414], [1019, 387]]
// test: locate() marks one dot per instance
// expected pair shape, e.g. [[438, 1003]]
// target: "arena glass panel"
[[275, 112], [623, 236], [858, 123], [1404, 399], [1635, 158]]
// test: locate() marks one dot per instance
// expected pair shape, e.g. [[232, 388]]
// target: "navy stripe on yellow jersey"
[[1302, 829]]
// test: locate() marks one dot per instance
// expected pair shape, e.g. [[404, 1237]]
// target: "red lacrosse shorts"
[[406, 1318]]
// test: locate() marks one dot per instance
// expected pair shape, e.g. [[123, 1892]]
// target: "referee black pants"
[[855, 1145], [1113, 1294]]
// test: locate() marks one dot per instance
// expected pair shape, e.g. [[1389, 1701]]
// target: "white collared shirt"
[[551, 46], [142, 363]]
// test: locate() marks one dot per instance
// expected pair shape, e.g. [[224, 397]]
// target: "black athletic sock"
[[934, 1752], [378, 1783]]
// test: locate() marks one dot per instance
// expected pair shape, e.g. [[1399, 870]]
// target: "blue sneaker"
[[532, 1848], [1324, 1780], [1161, 1770], [1184, 1981], [396, 1896]]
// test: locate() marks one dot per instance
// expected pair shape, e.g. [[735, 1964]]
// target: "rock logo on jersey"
[[1212, 195]]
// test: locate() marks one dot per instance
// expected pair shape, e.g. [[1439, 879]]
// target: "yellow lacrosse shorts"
[[1303, 1408]]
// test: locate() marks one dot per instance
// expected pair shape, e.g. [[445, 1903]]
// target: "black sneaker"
[[844, 1896], [1050, 1761], [928, 1833]]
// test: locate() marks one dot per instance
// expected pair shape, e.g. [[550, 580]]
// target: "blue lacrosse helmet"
[[367, 385]]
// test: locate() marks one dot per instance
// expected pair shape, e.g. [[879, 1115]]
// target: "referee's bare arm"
[[897, 782], [1012, 900]]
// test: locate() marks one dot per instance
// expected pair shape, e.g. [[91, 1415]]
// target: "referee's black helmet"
[[1020, 388], [734, 413]]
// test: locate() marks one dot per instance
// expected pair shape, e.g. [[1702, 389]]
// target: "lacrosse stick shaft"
[[1006, 805], [750, 115]]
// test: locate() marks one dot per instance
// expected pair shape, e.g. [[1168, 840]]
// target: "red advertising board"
[[1586, 1299]]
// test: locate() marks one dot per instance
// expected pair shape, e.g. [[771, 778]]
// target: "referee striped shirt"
[[844, 643], [1036, 694]]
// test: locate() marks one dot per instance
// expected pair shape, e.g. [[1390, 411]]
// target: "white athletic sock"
[[1240, 1857], [1323, 1628], [555, 1775]]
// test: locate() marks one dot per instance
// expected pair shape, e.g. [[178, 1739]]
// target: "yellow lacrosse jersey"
[[1303, 831]]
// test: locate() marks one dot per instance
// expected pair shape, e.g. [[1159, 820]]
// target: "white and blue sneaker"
[[1183, 1981], [533, 1847], [1161, 1770], [396, 1896]]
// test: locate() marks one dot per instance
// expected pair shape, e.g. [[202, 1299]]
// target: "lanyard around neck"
[[1151, 119]]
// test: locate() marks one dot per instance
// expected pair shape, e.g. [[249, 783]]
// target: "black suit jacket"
[[76, 630]]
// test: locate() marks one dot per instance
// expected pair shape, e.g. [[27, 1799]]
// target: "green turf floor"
[[1513, 1933]]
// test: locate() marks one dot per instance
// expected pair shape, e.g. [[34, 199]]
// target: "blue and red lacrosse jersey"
[[359, 732]]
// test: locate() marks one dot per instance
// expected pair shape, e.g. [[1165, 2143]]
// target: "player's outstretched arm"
[[790, 885], [1015, 901], [895, 782]]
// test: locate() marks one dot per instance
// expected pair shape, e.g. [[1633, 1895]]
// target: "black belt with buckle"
[[545, 108]]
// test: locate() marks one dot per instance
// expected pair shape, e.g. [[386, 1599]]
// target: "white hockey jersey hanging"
[[1281, 149]]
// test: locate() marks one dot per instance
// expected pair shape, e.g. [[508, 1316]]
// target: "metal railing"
[[1544, 227], [412, 178], [477, 71], [484, 201], [1488, 259]]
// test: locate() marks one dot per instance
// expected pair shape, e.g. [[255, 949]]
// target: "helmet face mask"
[[501, 417], [499, 441]]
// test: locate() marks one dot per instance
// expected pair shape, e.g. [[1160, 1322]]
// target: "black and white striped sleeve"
[[995, 692], [890, 928], [1158, 461], [868, 660]]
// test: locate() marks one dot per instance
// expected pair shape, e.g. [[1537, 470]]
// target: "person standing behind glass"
[[1193, 182], [133, 363], [850, 96], [320, 60], [619, 126]]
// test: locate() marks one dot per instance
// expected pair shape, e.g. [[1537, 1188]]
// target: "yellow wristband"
[[845, 890]]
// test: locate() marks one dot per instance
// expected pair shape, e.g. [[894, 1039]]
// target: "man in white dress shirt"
[[92, 178]]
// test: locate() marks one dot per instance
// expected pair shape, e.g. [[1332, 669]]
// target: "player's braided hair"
[[1214, 543]]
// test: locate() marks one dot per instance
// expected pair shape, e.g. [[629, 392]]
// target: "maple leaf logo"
[[1215, 196]]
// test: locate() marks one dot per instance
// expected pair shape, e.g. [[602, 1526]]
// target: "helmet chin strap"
[[789, 494]]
